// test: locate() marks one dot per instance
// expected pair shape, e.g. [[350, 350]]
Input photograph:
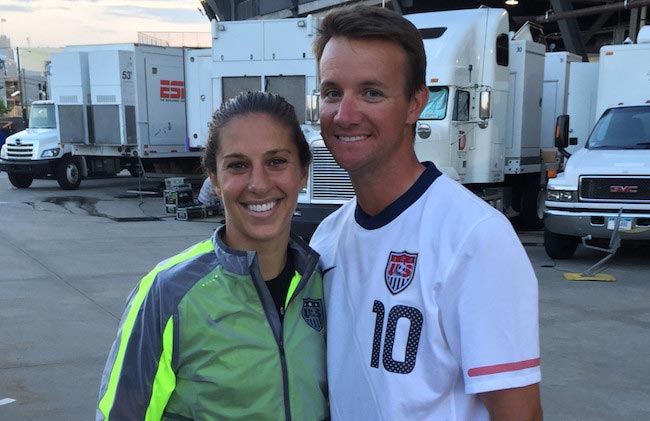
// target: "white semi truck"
[[605, 186], [116, 106], [483, 120]]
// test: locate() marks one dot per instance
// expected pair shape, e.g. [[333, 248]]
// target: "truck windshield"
[[622, 128], [41, 116], [436, 108]]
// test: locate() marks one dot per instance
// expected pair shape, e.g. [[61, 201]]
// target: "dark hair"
[[360, 22], [254, 102]]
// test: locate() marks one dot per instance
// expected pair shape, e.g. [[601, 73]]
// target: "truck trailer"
[[605, 186]]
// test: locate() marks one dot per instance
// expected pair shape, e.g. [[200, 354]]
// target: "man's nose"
[[347, 112]]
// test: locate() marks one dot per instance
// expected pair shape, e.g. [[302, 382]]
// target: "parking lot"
[[69, 259]]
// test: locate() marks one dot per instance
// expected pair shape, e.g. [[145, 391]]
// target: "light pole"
[[22, 91]]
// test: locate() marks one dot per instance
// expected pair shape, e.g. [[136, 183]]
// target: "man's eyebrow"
[[327, 84], [372, 83], [366, 83]]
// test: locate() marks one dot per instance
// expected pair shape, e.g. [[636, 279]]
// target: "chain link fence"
[[176, 39]]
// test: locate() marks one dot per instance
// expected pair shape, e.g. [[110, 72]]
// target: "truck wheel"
[[559, 246], [135, 170], [68, 173], [21, 181]]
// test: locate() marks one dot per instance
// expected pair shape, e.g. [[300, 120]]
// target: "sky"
[[57, 23]]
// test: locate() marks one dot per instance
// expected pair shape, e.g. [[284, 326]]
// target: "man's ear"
[[215, 184], [417, 103]]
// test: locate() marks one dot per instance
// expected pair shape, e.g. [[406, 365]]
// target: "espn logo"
[[623, 189], [173, 90]]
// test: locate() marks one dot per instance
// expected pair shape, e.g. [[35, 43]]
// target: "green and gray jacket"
[[201, 339]]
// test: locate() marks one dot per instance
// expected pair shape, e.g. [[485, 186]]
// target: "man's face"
[[366, 117]]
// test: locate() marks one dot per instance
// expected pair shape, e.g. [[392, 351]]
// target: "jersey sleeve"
[[138, 378], [489, 308]]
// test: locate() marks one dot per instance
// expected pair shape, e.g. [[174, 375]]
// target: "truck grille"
[[22, 151], [329, 181], [615, 189]]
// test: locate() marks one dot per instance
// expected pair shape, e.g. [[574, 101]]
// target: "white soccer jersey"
[[428, 303]]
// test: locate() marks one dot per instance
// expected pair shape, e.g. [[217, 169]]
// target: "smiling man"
[[431, 300]]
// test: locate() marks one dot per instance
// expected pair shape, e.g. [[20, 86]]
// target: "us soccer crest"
[[400, 270], [312, 312]]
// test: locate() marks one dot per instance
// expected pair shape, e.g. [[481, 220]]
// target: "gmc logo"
[[623, 189], [172, 89]]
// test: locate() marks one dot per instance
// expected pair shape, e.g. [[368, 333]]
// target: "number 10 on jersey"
[[414, 316]]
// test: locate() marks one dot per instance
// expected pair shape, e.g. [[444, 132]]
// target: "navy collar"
[[395, 209]]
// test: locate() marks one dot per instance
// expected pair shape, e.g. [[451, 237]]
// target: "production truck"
[[481, 125], [605, 186], [116, 107], [36, 152]]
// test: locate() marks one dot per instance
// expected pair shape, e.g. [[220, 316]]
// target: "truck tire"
[[559, 246], [135, 170], [21, 181], [68, 173]]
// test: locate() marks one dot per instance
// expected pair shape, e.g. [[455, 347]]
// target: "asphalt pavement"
[[68, 260]]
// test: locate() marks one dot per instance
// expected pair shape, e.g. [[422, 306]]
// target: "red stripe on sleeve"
[[502, 368]]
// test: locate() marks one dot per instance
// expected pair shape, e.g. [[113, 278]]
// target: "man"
[[431, 299]]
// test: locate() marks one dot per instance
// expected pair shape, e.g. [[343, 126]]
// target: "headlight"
[[50, 153], [561, 195]]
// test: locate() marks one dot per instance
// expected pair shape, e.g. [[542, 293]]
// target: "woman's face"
[[258, 177]]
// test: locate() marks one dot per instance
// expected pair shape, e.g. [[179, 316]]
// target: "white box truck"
[[606, 184], [558, 68], [116, 106], [36, 152]]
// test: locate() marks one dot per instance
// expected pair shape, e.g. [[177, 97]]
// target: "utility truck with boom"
[[604, 191]]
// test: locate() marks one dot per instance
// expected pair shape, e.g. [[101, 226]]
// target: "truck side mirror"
[[562, 134], [562, 131], [313, 108], [485, 105]]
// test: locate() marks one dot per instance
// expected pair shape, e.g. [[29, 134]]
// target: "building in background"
[[20, 88]]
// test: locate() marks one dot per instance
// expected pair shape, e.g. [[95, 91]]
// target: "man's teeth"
[[262, 207], [351, 138]]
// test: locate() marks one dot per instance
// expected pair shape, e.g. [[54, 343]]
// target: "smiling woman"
[[233, 327], [257, 167]]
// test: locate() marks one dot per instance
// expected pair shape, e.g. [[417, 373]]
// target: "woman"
[[232, 328]]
